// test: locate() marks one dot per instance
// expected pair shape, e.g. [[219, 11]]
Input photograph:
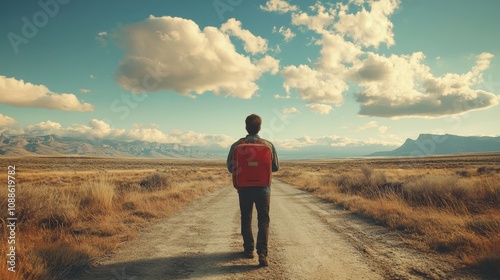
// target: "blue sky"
[[320, 73]]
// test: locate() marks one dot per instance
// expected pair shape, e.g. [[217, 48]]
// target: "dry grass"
[[71, 212], [445, 205]]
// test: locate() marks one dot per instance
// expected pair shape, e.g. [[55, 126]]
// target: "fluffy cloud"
[[21, 94], [280, 6], [44, 128], [368, 125], [96, 129], [336, 52], [101, 130], [313, 85], [268, 64], [253, 44], [192, 138], [168, 53], [319, 22], [151, 135], [286, 32], [290, 110], [328, 141], [321, 109], [6, 120], [398, 86], [373, 124], [325, 82], [369, 28], [83, 90]]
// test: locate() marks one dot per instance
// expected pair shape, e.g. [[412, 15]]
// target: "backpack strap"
[[244, 141]]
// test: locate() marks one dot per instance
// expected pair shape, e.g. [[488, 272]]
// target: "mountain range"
[[432, 144], [54, 145]]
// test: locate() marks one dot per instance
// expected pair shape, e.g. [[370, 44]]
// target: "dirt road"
[[309, 239]]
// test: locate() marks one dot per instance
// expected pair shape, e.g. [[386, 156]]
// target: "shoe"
[[248, 254], [263, 261]]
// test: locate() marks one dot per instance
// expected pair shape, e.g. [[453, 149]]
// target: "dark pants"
[[262, 198]]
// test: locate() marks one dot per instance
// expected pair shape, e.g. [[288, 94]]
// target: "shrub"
[[155, 181], [463, 173]]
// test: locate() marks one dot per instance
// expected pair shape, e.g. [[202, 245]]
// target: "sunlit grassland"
[[445, 205], [73, 211]]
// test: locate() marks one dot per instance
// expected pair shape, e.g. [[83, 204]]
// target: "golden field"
[[73, 211], [448, 205]]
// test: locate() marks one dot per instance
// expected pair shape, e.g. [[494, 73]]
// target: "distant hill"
[[53, 145], [431, 144]]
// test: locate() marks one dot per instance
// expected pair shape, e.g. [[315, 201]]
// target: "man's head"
[[253, 123]]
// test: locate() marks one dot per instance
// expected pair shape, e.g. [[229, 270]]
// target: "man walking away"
[[250, 195]]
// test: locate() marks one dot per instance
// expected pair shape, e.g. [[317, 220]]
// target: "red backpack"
[[252, 164]]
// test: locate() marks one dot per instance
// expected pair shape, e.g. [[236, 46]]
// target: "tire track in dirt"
[[309, 239]]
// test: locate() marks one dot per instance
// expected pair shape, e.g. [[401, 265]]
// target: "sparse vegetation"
[[446, 205], [72, 212]]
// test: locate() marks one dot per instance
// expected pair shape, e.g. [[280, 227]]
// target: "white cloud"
[[101, 38], [329, 141], [290, 110], [167, 53], [192, 138], [21, 94], [278, 96], [398, 86], [253, 44], [391, 86], [44, 128], [369, 28], [151, 135], [319, 22], [336, 52], [269, 64], [372, 124], [313, 85], [99, 129], [6, 120], [321, 109], [83, 90], [96, 128], [286, 32], [383, 129], [280, 6]]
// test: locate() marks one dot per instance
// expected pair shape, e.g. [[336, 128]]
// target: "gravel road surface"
[[309, 239]]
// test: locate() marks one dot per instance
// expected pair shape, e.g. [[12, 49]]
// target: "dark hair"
[[253, 123]]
